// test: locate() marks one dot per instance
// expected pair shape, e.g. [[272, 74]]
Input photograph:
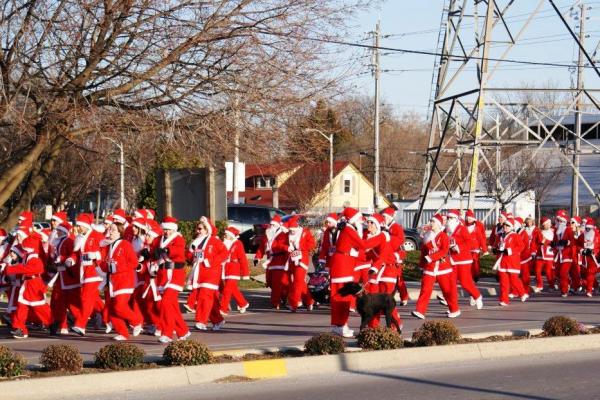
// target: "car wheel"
[[410, 245]]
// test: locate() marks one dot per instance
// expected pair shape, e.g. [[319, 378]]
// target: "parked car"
[[245, 217], [412, 239]]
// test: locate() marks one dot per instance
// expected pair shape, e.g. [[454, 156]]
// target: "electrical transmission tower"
[[479, 123]]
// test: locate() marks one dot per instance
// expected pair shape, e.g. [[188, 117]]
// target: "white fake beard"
[[589, 235], [270, 232], [359, 229], [79, 242], [548, 234], [560, 228], [294, 237], [429, 236], [529, 229], [451, 225]]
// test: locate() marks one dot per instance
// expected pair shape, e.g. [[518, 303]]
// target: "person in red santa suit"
[[563, 245], [66, 291], [208, 256], [529, 233], [141, 247], [460, 256], [31, 299], [544, 256], [86, 256], [170, 257], [509, 263], [301, 244], [435, 263], [383, 272], [478, 242], [120, 265], [397, 239], [575, 271], [235, 268], [150, 301], [347, 250], [275, 247], [328, 240], [121, 217], [589, 242], [498, 230], [12, 282]]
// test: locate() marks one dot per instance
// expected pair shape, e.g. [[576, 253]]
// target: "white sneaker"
[[186, 336], [404, 303], [78, 330], [165, 339], [524, 297], [188, 309], [201, 327], [537, 290], [218, 326], [564, 295], [243, 309], [309, 307], [352, 309], [511, 296], [119, 338], [64, 331], [223, 313], [137, 330], [472, 301], [589, 294], [555, 287], [442, 300], [503, 304], [108, 328], [347, 332], [157, 333], [418, 315], [479, 303], [454, 314]]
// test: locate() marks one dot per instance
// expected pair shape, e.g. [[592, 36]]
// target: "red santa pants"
[[547, 266], [589, 273], [575, 273], [279, 286], [231, 289], [298, 289], [64, 300], [340, 305], [121, 313], [463, 275], [448, 287], [150, 308], [509, 281], [90, 302], [171, 319], [402, 284], [25, 313], [564, 270], [208, 306], [385, 287], [526, 275], [475, 266], [192, 297]]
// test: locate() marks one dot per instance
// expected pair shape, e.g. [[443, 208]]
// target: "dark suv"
[[245, 217]]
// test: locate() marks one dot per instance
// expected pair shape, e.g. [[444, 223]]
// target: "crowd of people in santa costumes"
[[124, 275]]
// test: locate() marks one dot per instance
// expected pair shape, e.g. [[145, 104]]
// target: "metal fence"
[[409, 217]]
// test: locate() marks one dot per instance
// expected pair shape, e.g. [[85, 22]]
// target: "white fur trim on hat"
[[83, 224], [169, 226]]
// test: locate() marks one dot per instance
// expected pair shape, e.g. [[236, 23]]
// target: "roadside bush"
[[560, 326], [379, 339], [61, 357], [324, 343], [187, 352], [119, 356], [435, 333], [11, 364]]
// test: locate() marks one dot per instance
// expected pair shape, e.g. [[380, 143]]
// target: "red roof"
[[269, 169]]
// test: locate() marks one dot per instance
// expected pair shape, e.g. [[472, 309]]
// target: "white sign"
[[241, 175]]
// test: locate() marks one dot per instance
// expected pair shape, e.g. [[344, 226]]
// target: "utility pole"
[[376, 74], [236, 152], [577, 147]]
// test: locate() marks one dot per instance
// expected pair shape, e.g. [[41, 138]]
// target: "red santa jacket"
[[347, 249], [32, 291], [575, 247], [382, 258], [208, 264], [459, 246], [87, 254], [300, 247], [476, 232], [68, 275], [534, 238], [170, 256], [275, 246], [564, 252], [120, 265], [510, 258], [397, 238], [236, 264], [434, 254], [543, 243], [526, 240], [327, 249], [589, 240]]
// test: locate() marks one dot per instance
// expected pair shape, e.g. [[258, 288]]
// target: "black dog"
[[369, 305]]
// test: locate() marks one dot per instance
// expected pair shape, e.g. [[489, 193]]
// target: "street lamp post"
[[122, 168], [330, 140]]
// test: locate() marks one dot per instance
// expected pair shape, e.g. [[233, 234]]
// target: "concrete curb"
[[353, 361]]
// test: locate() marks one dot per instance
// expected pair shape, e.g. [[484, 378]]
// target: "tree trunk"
[[37, 179]]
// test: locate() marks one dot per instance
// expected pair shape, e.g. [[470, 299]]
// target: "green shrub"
[[221, 226], [188, 229], [325, 343], [11, 364], [560, 326], [379, 339], [187, 352], [61, 357], [436, 333], [119, 356]]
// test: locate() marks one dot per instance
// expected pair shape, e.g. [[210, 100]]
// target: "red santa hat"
[[438, 219], [332, 217], [509, 222], [577, 220], [233, 231], [85, 220], [29, 245], [276, 220], [562, 215], [120, 216], [59, 216], [140, 213], [503, 214], [45, 234], [590, 223], [24, 229], [3, 234], [377, 220], [518, 222], [388, 212], [141, 223], [26, 216], [170, 223], [154, 228], [65, 227], [293, 222], [150, 213], [470, 216], [351, 215], [453, 214], [545, 220]]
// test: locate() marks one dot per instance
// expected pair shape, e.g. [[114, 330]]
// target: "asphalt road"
[[553, 376], [264, 327]]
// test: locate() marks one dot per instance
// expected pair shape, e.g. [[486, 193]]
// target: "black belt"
[[175, 266], [29, 277]]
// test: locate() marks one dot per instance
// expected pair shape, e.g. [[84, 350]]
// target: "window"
[[347, 185], [265, 182], [272, 213], [250, 215]]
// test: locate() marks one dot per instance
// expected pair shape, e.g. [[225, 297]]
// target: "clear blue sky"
[[414, 25]]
